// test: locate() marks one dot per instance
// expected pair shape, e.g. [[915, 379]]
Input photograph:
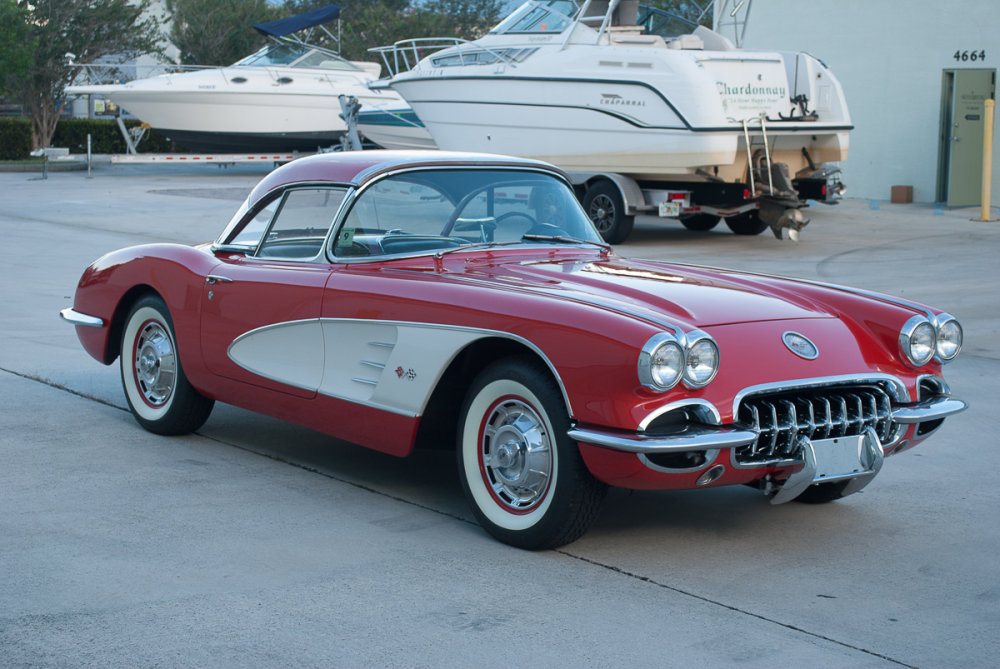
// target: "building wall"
[[889, 56]]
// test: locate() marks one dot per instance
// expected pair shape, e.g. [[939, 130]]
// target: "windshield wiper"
[[474, 246], [566, 239]]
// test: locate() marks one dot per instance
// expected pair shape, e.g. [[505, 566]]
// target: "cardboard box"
[[902, 194]]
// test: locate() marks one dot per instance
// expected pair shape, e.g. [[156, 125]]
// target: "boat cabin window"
[[325, 61], [546, 16], [296, 55], [663, 23]]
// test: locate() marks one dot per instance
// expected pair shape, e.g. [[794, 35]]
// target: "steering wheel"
[[546, 229]]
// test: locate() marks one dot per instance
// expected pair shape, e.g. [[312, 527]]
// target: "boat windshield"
[[539, 16], [554, 16], [288, 54], [663, 23]]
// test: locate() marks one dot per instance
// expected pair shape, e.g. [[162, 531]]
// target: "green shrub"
[[15, 139], [105, 137]]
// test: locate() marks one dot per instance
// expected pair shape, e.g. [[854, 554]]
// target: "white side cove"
[[388, 365]]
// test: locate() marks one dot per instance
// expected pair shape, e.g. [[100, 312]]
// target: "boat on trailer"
[[638, 105], [284, 97]]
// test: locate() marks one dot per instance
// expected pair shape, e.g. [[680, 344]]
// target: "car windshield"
[[431, 211]]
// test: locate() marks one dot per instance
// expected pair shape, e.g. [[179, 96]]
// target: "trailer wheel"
[[603, 204], [699, 222], [747, 223]]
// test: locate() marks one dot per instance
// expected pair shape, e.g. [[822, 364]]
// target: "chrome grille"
[[815, 413]]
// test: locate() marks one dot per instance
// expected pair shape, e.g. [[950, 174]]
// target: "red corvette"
[[400, 300]]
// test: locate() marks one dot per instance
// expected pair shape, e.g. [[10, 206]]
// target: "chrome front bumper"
[[700, 436]]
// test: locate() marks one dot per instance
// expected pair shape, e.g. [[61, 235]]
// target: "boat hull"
[[232, 109], [398, 128], [598, 125]]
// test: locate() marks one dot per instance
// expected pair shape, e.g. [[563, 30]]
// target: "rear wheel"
[[747, 223], [605, 207], [699, 222], [523, 476], [158, 393]]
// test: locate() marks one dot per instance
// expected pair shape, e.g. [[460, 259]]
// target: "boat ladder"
[[756, 167]]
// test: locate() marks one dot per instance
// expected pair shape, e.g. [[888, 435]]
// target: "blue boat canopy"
[[293, 24]]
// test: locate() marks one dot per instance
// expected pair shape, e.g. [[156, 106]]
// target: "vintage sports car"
[[428, 299]]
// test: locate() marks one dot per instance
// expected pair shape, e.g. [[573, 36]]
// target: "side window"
[[395, 216], [252, 232], [301, 224]]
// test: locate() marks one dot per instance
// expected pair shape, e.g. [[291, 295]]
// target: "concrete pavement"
[[257, 543]]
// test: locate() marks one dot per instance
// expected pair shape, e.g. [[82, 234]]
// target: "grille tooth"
[[815, 413]]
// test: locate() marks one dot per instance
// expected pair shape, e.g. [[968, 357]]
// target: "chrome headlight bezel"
[[657, 346], [913, 336], [683, 349], [696, 340], [946, 347]]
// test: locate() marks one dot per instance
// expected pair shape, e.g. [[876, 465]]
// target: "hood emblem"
[[800, 345]]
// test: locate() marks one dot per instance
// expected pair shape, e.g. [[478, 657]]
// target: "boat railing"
[[405, 54], [119, 73]]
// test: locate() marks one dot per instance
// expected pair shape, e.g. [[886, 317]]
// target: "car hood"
[[698, 296]]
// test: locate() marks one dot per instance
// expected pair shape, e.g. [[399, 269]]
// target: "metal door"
[[960, 168]]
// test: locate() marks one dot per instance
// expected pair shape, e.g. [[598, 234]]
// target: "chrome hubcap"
[[516, 455], [155, 364]]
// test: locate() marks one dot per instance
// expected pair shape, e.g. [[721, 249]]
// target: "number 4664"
[[973, 55]]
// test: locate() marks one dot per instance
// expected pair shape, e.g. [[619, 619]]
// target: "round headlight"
[[949, 338], [702, 361], [661, 362], [918, 340]]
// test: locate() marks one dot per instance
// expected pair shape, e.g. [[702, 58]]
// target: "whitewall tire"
[[158, 393], [524, 478]]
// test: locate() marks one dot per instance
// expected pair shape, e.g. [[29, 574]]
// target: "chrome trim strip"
[[76, 318], [696, 438], [705, 410], [930, 409], [365, 381]]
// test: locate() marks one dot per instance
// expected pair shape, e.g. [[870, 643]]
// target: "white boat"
[[284, 97], [608, 87]]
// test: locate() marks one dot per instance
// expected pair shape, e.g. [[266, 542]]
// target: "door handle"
[[213, 279]]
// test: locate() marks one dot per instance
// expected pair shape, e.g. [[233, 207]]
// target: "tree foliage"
[[37, 35], [371, 23], [217, 32]]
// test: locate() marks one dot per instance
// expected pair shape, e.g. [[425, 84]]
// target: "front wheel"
[[605, 207], [158, 393], [523, 476]]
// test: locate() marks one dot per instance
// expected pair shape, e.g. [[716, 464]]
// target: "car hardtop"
[[356, 168]]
